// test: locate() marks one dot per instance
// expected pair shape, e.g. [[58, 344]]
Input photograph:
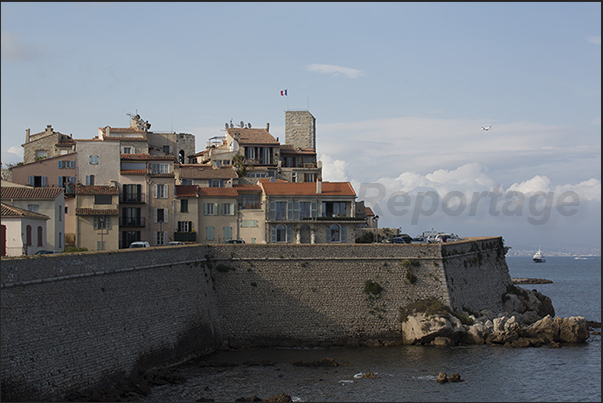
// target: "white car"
[[175, 243], [140, 244]]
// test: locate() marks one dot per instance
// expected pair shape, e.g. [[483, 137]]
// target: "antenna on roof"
[[242, 124]]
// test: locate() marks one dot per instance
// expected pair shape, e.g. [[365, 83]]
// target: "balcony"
[[185, 236], [132, 198], [132, 222]]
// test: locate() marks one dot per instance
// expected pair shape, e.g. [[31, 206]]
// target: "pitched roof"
[[289, 149], [186, 191], [247, 188], [97, 190], [194, 171], [252, 136], [307, 189], [28, 193], [9, 211], [368, 211], [224, 192]]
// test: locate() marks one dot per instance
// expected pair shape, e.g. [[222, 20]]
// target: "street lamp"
[[376, 228]]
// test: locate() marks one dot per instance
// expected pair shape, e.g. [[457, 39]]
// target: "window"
[[281, 233], [94, 159], [216, 183], [181, 156], [185, 226], [334, 209], [89, 180], [40, 236], [266, 154], [336, 233], [161, 215], [60, 213], [102, 222], [209, 233], [102, 199], [160, 168], [41, 154], [34, 208], [66, 164], [309, 178], [159, 237], [250, 153], [126, 150], [293, 176], [132, 193], [227, 233], [60, 239], [249, 223], [167, 149], [249, 201], [64, 181], [227, 209], [161, 191], [210, 208], [280, 210], [28, 235], [184, 206], [37, 181], [186, 182], [307, 210]]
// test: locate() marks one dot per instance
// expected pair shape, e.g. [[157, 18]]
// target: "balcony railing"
[[185, 236], [132, 222], [132, 198]]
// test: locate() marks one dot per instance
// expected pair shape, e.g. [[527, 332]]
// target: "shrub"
[[372, 287]]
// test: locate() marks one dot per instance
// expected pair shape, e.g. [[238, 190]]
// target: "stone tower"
[[300, 129]]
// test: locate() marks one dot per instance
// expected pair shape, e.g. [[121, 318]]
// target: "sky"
[[400, 92]]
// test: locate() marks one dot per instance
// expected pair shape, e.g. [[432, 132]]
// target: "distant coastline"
[[521, 280]]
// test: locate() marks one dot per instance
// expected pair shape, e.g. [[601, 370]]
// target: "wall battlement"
[[72, 321]]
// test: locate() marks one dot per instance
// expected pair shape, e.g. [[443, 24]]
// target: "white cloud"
[[595, 40], [335, 70], [333, 170], [18, 151]]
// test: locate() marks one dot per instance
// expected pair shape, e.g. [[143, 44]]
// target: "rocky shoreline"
[[520, 280]]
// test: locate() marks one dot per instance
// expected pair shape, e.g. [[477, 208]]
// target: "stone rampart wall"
[[72, 321]]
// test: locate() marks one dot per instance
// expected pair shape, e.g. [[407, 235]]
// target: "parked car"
[[47, 252], [140, 244], [175, 243], [418, 239], [235, 241], [402, 239], [446, 238]]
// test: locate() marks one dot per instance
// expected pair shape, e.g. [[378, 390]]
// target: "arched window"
[[335, 233], [181, 156], [40, 236], [28, 235], [281, 233]]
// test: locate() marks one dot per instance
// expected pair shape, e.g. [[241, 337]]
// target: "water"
[[408, 373]]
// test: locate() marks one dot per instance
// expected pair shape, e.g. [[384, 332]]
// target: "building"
[[46, 144], [49, 202], [319, 212], [97, 217], [22, 232]]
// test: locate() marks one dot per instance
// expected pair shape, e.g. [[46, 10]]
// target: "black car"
[[402, 239], [235, 241], [47, 252]]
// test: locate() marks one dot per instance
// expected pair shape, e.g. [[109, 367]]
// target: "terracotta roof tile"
[[97, 190], [9, 211], [253, 136], [147, 157], [308, 189], [133, 172], [31, 193], [187, 190], [247, 188], [193, 171], [227, 192], [368, 211]]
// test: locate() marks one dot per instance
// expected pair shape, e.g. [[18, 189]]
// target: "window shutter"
[[328, 233], [155, 215], [171, 149], [31, 180], [71, 164], [343, 233], [108, 222], [289, 233], [215, 208], [72, 180], [166, 215], [296, 210], [43, 181], [314, 209], [60, 181], [210, 233], [60, 164], [289, 210], [155, 192], [167, 191], [274, 234], [232, 208], [87, 180], [95, 223], [204, 208], [273, 211]]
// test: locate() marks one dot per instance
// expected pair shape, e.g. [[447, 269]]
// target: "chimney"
[[27, 134], [48, 129], [319, 185], [268, 127]]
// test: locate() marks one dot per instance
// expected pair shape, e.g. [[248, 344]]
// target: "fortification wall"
[[72, 321]]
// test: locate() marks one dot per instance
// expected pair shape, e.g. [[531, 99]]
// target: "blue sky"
[[400, 92]]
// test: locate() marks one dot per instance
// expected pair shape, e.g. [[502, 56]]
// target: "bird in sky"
[[486, 128]]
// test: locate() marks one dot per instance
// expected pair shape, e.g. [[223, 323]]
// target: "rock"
[[455, 378], [283, 397], [573, 330], [420, 328], [442, 342], [442, 377]]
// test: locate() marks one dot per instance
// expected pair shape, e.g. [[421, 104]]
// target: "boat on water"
[[538, 257]]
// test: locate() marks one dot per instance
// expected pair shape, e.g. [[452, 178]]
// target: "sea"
[[571, 373]]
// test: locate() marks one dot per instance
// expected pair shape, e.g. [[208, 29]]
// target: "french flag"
[[284, 92]]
